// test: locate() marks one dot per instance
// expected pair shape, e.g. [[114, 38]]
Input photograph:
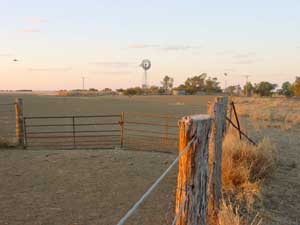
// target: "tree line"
[[203, 84], [265, 88]]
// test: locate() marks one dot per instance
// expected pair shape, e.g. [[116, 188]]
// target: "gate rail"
[[138, 131], [95, 131], [151, 132]]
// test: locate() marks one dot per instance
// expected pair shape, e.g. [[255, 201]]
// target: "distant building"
[[233, 90], [201, 93], [178, 92]]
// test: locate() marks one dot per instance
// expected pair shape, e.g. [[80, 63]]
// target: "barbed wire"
[[124, 219]]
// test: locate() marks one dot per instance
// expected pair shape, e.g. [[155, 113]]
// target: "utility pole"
[[225, 74], [247, 76], [83, 79]]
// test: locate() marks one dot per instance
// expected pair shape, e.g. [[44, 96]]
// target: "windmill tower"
[[146, 65]]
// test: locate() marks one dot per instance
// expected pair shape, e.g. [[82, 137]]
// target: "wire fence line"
[[125, 218]]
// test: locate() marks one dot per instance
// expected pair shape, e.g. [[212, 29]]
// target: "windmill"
[[146, 65]]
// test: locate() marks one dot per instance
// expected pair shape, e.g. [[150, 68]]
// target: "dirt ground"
[[281, 191], [278, 203], [91, 187], [83, 187], [86, 187]]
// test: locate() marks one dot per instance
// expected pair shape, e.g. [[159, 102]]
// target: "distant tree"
[[264, 88], [120, 90], [181, 87], [286, 89], [167, 83], [196, 83], [296, 87], [134, 91], [93, 89], [107, 90], [212, 85], [154, 90], [248, 89], [200, 83]]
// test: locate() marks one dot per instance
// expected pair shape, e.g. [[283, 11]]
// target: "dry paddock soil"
[[91, 187], [82, 187]]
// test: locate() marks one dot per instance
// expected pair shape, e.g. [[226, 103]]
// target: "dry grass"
[[244, 166], [229, 215], [269, 109]]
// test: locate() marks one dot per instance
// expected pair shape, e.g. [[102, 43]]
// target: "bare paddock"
[[81, 187]]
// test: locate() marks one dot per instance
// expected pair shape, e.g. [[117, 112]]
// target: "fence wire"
[[151, 132], [154, 185]]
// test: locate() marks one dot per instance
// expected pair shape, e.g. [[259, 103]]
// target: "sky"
[[58, 42]]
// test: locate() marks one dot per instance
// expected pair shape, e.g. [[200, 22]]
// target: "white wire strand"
[[148, 192], [181, 207]]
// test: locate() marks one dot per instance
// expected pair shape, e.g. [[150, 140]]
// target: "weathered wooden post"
[[19, 121], [218, 112], [192, 180]]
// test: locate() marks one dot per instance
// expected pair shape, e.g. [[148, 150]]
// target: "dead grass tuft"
[[244, 166], [229, 215]]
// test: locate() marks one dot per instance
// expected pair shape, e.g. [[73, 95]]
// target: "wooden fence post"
[[19, 121], [122, 129], [218, 111], [192, 180]]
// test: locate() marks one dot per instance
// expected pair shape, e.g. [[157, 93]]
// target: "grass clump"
[[244, 166]]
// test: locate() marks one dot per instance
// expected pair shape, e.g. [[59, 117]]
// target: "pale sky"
[[58, 42]]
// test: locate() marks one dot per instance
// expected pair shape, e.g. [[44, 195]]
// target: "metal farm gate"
[[137, 131], [152, 132], [72, 132]]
